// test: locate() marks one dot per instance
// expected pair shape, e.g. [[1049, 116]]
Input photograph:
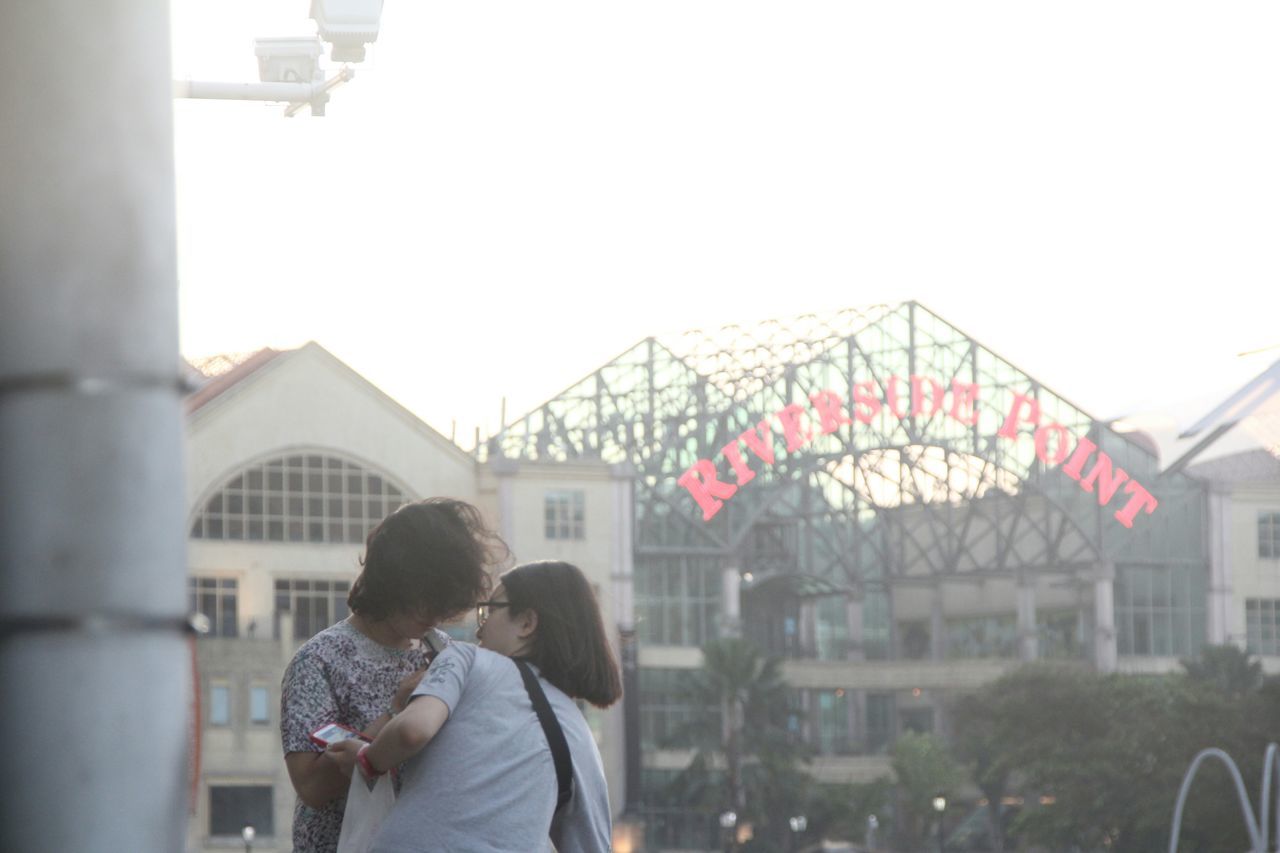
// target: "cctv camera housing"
[[348, 25], [288, 60]]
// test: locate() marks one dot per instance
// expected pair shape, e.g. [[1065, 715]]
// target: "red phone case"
[[323, 743]]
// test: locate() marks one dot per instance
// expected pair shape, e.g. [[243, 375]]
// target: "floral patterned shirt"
[[338, 676]]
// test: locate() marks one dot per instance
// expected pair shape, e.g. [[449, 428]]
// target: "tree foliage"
[[923, 768], [1225, 669], [746, 760], [1108, 752]]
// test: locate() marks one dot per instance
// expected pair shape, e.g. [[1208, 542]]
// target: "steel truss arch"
[[666, 403]]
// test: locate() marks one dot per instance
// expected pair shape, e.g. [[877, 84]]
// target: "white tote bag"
[[366, 809]]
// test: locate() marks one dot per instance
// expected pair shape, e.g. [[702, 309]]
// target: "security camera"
[[288, 60], [348, 25]]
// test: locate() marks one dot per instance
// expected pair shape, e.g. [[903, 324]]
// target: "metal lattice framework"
[[899, 500]]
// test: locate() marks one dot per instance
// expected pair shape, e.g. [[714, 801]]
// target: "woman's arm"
[[403, 737], [319, 777]]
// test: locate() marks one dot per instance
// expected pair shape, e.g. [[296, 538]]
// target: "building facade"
[[872, 496], [293, 458], [896, 511]]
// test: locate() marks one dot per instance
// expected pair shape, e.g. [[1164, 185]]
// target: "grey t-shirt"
[[487, 783]]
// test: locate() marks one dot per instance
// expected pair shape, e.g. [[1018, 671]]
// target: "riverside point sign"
[[924, 396]]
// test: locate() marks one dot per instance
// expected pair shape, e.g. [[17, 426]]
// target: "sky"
[[509, 194]]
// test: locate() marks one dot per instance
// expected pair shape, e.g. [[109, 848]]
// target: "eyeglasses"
[[482, 612]]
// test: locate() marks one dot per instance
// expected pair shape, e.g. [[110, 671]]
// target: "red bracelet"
[[366, 766]]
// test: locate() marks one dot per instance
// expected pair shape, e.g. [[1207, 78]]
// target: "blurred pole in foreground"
[[93, 661]]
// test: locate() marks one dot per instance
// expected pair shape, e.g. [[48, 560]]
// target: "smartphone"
[[335, 733]]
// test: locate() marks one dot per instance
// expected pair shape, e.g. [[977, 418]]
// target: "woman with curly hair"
[[425, 564]]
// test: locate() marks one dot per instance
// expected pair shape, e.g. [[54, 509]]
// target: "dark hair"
[[570, 646], [431, 558]]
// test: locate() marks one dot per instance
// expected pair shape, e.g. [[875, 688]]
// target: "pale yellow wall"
[[1251, 576], [308, 399], [529, 486], [242, 752]]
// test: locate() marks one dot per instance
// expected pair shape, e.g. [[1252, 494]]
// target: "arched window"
[[299, 498]]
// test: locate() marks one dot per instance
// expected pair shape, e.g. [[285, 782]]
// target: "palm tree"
[[748, 732]]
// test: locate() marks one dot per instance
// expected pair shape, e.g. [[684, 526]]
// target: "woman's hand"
[[407, 685], [343, 754]]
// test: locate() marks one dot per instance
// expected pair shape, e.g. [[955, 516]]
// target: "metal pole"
[[92, 546]]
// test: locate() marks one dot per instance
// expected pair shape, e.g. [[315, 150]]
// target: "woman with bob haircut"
[[488, 782], [425, 564]]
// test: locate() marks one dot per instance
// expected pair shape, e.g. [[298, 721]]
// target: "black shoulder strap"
[[551, 728]]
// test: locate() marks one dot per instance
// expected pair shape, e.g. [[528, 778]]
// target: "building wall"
[[308, 399], [1252, 576]]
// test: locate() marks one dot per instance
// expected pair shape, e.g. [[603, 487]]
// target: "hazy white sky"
[[510, 193]]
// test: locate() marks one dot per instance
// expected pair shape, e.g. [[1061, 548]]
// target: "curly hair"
[[431, 558]]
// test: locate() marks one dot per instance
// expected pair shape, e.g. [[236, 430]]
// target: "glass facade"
[[299, 498], [1063, 635], [831, 628], [876, 625], [315, 604], [217, 600], [668, 709], [677, 599], [982, 637], [880, 714], [831, 709], [1160, 610]]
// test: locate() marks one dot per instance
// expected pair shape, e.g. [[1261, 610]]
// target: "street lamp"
[[248, 834], [872, 825], [798, 824], [940, 806], [728, 820]]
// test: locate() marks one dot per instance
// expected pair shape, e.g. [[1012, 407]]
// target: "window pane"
[[219, 705], [233, 807], [259, 700]]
